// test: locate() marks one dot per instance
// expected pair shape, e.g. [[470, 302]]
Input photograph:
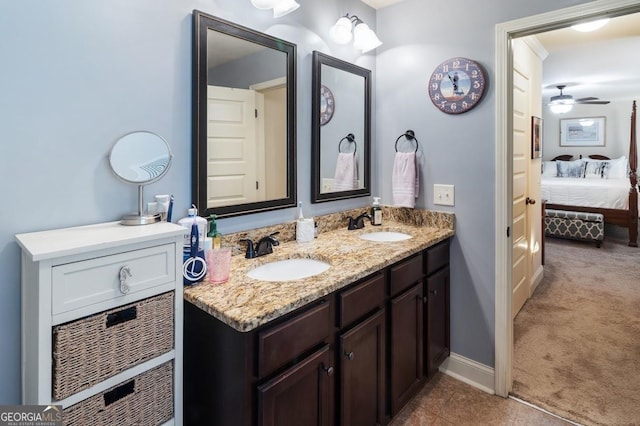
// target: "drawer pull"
[[119, 392], [125, 272], [349, 355], [328, 370], [124, 315]]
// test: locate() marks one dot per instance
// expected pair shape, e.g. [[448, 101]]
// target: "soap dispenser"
[[376, 212], [213, 234]]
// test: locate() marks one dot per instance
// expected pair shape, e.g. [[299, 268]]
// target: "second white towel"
[[404, 180]]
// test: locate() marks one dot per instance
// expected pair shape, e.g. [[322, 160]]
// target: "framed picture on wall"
[[586, 131], [536, 137]]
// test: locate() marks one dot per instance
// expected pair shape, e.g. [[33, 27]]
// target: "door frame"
[[504, 32]]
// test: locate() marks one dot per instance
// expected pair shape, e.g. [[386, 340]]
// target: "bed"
[[612, 194]]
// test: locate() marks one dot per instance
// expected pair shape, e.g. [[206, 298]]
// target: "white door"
[[521, 133], [232, 140]]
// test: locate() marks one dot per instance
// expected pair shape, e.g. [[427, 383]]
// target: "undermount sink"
[[288, 270], [385, 236]]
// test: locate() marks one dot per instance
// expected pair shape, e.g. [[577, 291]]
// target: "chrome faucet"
[[358, 222], [262, 247]]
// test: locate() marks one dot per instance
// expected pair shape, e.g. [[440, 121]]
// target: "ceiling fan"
[[564, 103], [568, 99]]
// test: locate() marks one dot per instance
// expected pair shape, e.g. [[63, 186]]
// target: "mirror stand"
[[140, 218]]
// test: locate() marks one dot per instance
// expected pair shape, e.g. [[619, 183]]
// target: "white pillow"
[[573, 168], [618, 168], [549, 168], [595, 169]]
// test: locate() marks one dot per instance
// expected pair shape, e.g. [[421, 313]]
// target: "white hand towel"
[[404, 180], [346, 176]]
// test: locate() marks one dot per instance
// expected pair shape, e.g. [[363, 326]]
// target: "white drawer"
[[80, 284]]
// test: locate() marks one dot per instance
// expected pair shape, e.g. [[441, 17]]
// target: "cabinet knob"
[[349, 355], [434, 292], [328, 370], [125, 273], [424, 299]]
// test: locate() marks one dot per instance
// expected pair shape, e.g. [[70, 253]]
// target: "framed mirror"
[[341, 130], [244, 119]]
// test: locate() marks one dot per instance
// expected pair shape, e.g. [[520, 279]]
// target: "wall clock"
[[457, 85], [327, 105]]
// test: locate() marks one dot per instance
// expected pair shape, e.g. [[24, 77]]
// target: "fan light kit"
[[561, 104]]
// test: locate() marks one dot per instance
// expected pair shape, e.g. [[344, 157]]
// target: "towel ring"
[[411, 136], [349, 138]]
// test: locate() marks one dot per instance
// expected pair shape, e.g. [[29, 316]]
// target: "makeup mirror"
[[244, 132], [140, 158], [341, 129]]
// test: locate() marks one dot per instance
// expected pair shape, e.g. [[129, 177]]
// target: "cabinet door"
[[362, 368], [300, 395], [406, 347], [437, 320]]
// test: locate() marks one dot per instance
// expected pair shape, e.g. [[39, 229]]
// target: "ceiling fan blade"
[[593, 102], [587, 99]]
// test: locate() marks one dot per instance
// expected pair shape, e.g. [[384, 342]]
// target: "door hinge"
[[508, 231], [256, 112], [257, 185]]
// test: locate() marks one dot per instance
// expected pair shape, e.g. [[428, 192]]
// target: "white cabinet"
[[102, 318]]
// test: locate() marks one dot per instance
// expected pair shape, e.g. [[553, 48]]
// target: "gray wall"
[[77, 75], [455, 149]]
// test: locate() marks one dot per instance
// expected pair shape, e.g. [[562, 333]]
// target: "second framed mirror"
[[341, 130]]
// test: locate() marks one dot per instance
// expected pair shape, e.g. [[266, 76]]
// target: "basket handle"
[[124, 315], [119, 392]]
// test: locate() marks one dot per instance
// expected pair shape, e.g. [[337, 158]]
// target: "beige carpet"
[[577, 340]]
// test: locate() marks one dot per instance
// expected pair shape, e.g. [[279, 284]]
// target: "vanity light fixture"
[[351, 27], [280, 7]]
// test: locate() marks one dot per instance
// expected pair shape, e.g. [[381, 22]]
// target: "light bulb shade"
[[364, 38], [264, 4], [341, 31], [560, 108], [283, 7]]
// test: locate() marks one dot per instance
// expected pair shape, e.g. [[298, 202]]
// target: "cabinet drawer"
[[80, 284], [406, 273], [91, 349], [281, 344], [145, 399], [437, 256], [360, 300]]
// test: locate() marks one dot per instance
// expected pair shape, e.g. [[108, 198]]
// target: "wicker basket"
[[88, 350], [146, 399]]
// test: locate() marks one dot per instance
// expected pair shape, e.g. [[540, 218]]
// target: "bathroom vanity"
[[351, 345], [102, 322]]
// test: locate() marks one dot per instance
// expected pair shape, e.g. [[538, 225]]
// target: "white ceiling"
[[603, 64]]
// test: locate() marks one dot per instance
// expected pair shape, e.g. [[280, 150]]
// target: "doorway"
[[504, 175]]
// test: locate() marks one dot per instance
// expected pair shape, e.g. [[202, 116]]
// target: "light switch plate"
[[443, 195]]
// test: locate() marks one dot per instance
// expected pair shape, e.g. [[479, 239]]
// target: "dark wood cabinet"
[[300, 395], [362, 372], [406, 346], [437, 341], [354, 357]]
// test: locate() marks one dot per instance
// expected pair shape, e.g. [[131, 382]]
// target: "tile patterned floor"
[[447, 401]]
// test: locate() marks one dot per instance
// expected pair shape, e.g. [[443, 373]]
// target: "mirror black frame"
[[317, 196], [203, 22]]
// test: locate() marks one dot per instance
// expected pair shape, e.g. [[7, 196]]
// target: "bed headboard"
[[565, 157]]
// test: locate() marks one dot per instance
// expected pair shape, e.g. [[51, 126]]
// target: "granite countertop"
[[245, 303]]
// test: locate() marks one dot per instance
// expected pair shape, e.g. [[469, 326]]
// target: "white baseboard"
[[469, 371]]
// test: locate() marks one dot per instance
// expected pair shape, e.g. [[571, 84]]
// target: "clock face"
[[456, 85]]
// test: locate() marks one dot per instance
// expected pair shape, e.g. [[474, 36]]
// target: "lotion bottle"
[[376, 212]]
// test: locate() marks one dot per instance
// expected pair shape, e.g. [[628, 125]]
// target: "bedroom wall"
[[617, 121]]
